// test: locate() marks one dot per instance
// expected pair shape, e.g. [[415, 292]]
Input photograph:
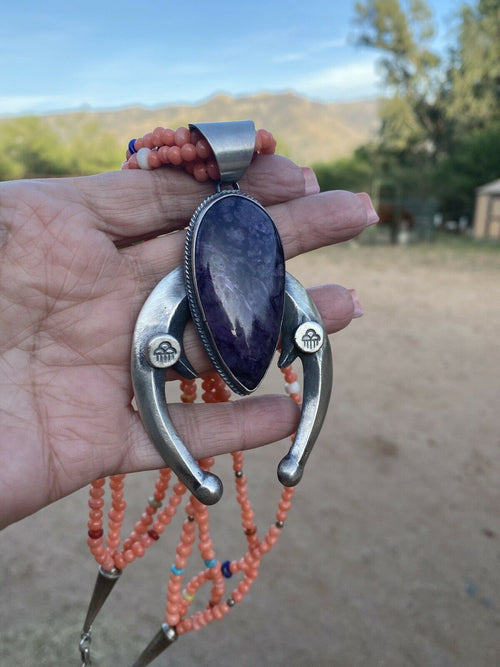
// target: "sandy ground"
[[391, 554]]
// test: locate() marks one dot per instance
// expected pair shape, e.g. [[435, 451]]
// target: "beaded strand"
[[153, 522], [184, 148]]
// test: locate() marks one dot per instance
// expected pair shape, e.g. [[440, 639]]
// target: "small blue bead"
[[175, 570], [131, 146], [225, 569], [211, 563]]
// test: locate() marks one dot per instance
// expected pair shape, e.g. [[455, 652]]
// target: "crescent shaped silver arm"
[[303, 336], [161, 322], [157, 345]]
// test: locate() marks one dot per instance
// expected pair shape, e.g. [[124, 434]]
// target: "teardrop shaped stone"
[[238, 271]]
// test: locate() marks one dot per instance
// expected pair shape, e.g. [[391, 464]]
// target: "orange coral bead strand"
[[292, 386], [143, 535], [186, 149], [247, 514], [138, 540], [188, 391], [174, 605], [95, 525], [147, 531], [215, 389], [115, 517], [249, 563]]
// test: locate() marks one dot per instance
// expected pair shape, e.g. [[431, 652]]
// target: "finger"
[[133, 204], [304, 224], [335, 304], [322, 220], [210, 430]]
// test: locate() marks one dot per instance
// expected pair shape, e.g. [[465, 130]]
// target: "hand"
[[71, 286]]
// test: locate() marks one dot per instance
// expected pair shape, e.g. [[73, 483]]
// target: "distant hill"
[[306, 131]]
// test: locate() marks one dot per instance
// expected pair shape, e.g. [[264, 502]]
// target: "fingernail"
[[358, 310], [311, 185], [371, 213]]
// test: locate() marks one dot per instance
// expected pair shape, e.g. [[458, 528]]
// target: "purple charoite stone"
[[238, 269]]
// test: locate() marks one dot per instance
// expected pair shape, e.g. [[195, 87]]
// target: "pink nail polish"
[[371, 213], [311, 185], [358, 310]]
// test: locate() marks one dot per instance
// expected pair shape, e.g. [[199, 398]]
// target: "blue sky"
[[58, 55]]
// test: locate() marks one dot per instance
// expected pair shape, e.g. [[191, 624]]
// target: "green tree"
[[440, 121], [430, 104], [472, 92], [93, 151], [411, 116], [353, 173], [473, 161], [30, 149]]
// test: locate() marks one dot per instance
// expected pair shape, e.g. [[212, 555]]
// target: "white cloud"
[[283, 58], [328, 44], [357, 79], [14, 104], [311, 50]]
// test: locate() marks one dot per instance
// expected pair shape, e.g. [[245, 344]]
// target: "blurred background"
[[391, 553]]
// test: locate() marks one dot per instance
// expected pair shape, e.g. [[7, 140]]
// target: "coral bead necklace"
[[113, 555], [186, 149]]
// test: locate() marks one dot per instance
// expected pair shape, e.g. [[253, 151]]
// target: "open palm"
[[72, 281]]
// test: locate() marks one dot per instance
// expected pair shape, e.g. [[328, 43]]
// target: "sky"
[[57, 56]]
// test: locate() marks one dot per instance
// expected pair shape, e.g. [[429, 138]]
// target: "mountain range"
[[307, 131]]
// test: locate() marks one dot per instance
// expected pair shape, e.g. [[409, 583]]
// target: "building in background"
[[487, 211]]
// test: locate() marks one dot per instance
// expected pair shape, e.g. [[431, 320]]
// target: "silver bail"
[[233, 144]]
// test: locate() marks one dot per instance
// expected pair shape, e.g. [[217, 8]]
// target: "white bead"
[[292, 387], [142, 158]]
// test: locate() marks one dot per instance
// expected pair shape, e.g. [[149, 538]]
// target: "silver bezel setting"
[[195, 306]]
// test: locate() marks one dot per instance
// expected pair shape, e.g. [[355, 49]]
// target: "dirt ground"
[[391, 555]]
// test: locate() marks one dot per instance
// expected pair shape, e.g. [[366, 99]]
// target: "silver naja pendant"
[[234, 287]]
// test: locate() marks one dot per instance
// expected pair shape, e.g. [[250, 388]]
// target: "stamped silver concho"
[[234, 287]]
